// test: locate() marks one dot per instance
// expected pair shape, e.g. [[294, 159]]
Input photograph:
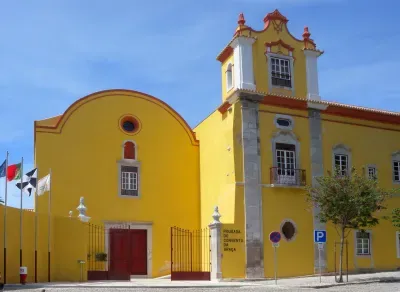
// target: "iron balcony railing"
[[287, 176]]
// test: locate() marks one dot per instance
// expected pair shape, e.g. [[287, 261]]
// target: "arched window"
[[129, 150], [229, 77]]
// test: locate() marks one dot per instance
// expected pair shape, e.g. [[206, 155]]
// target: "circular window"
[[129, 124], [288, 230]]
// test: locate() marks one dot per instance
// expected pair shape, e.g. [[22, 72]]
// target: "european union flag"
[[3, 169]]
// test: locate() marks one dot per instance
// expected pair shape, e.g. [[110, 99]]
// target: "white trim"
[[135, 225], [129, 162], [285, 137], [395, 157], [269, 65], [243, 63], [341, 149], [370, 244], [279, 116], [318, 106], [312, 74], [367, 167], [398, 244], [229, 67], [123, 150]]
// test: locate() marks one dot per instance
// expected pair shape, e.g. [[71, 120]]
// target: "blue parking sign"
[[320, 236]]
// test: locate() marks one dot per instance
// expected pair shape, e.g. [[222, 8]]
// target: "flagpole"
[[49, 225], [20, 214], [5, 224], [36, 218]]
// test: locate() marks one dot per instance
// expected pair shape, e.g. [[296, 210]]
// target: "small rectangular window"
[[280, 72], [341, 164], [129, 180], [363, 243], [396, 171], [372, 172]]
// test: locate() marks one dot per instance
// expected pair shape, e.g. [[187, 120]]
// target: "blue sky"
[[54, 52]]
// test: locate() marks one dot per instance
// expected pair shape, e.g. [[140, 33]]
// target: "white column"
[[216, 256], [243, 63], [312, 74]]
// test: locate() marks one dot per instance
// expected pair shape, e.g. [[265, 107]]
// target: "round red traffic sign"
[[275, 237]]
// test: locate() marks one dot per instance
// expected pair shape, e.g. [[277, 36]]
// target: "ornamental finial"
[[82, 211], [216, 216], [306, 33], [241, 20]]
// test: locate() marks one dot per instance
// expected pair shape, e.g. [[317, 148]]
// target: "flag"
[[14, 172], [43, 185], [29, 181], [3, 169]]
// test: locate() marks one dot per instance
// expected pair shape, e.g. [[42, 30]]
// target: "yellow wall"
[[67, 241], [83, 159], [296, 257], [220, 137], [71, 240], [260, 61], [217, 183]]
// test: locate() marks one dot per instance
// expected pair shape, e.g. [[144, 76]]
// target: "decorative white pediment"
[[286, 137], [340, 146]]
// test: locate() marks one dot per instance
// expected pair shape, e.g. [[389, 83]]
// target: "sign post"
[[275, 237], [320, 239]]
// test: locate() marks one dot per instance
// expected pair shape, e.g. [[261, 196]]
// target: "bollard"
[[23, 273]]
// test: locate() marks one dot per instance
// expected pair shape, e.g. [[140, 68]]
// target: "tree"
[[396, 217], [1, 200], [348, 202]]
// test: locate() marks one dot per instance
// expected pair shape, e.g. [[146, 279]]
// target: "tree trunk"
[[340, 280]]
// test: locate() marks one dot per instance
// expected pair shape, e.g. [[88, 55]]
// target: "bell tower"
[[270, 61]]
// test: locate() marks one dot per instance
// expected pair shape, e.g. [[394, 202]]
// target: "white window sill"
[[282, 87], [363, 255], [129, 197]]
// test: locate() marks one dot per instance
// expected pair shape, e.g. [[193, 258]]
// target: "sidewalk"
[[329, 281], [304, 282]]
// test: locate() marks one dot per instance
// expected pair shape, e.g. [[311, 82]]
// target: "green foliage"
[[396, 217], [1, 200], [101, 257], [349, 202]]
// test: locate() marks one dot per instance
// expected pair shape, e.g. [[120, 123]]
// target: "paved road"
[[374, 287]]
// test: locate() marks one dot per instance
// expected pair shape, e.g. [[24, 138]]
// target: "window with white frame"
[[286, 158], [396, 171], [363, 243], [371, 172], [280, 72], [129, 180], [229, 77], [341, 163], [398, 244]]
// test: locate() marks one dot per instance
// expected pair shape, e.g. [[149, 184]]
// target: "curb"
[[12, 287], [322, 286]]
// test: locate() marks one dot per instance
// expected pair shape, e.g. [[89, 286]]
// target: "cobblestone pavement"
[[373, 287]]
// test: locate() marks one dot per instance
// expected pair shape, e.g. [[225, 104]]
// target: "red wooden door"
[[138, 252], [119, 254]]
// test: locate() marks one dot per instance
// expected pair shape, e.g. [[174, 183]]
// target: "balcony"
[[287, 177]]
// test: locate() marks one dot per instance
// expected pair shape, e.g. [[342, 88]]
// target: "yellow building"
[[139, 165]]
